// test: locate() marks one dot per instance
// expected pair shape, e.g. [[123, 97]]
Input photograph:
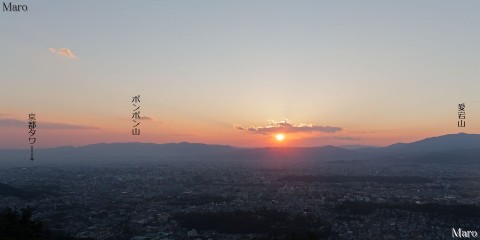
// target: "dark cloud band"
[[9, 122]]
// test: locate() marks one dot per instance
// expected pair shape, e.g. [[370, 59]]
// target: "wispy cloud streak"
[[64, 52], [287, 127], [9, 122]]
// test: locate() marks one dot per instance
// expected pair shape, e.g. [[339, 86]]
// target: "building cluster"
[[141, 202]]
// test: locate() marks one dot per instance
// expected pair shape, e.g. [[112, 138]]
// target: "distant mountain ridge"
[[433, 146]]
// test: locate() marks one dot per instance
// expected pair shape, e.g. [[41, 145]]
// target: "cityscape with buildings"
[[185, 198]]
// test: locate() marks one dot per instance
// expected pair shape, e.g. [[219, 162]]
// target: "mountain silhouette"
[[434, 144], [432, 147]]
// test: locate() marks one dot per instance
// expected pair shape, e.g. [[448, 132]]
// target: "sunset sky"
[[239, 72]]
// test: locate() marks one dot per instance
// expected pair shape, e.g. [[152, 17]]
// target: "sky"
[[239, 72]]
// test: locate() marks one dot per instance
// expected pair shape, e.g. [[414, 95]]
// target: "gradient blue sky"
[[382, 71]]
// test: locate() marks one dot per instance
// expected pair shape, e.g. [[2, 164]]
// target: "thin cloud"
[[345, 138], [148, 118], [66, 126], [43, 125], [144, 118], [287, 127], [364, 132], [12, 123], [64, 52], [239, 127], [180, 135]]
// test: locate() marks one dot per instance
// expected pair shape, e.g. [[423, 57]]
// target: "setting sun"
[[279, 137]]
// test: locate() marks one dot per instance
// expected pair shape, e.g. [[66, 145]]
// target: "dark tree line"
[[367, 208], [17, 224], [270, 224]]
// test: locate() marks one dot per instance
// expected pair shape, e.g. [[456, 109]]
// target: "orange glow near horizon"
[[117, 128]]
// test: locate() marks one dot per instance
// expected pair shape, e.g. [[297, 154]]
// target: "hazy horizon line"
[[345, 146]]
